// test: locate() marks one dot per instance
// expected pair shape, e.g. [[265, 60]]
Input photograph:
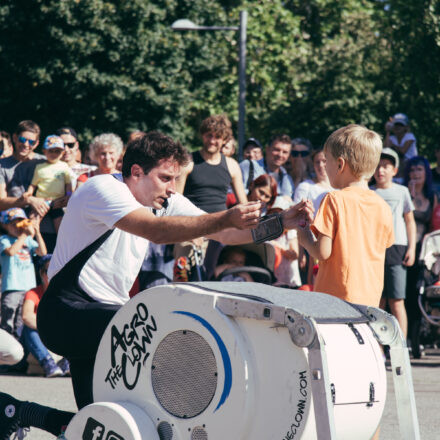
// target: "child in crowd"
[[22, 240], [230, 258], [52, 178], [402, 254], [353, 226], [30, 337]]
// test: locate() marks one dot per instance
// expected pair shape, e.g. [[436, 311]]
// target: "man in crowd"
[[206, 179], [277, 154]]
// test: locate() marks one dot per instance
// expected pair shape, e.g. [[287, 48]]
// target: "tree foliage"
[[313, 65]]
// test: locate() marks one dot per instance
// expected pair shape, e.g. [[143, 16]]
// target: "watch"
[[269, 227]]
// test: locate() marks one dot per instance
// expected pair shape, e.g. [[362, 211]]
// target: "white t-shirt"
[[92, 210], [309, 190], [288, 271], [412, 150]]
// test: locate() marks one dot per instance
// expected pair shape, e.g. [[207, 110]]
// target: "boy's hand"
[[409, 258], [299, 215]]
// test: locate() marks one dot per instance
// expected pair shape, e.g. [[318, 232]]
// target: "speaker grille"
[[184, 374], [199, 433], [165, 431]]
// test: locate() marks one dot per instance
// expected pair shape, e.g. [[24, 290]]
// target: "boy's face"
[[25, 143], [385, 172], [53, 155], [236, 258], [12, 228], [332, 167]]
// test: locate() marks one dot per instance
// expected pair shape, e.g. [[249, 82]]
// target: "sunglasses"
[[70, 144], [23, 140], [295, 153]]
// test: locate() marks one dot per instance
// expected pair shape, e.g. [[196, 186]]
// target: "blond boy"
[[353, 226]]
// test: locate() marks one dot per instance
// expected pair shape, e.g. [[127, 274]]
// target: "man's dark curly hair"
[[148, 149]]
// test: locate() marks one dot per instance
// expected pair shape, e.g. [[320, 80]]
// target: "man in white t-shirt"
[[103, 238]]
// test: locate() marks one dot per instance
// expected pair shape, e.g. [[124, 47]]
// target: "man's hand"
[[299, 215], [38, 205], [244, 216]]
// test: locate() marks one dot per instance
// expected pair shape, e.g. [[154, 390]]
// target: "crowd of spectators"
[[35, 189]]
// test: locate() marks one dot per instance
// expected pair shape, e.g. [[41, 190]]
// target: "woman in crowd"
[[6, 148], [418, 179], [263, 189], [300, 166], [316, 188], [312, 189], [106, 150]]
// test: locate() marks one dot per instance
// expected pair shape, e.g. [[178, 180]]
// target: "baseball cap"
[[389, 153], [53, 141], [400, 118], [12, 214], [252, 141]]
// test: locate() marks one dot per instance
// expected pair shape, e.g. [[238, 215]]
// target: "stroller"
[[426, 329], [260, 263]]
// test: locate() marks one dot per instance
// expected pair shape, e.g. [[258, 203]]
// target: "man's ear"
[[137, 171], [36, 144]]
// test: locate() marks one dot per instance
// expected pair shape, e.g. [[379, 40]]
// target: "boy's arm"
[[321, 248], [411, 232], [30, 191], [16, 246]]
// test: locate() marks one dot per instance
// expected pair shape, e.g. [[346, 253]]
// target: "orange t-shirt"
[[360, 224]]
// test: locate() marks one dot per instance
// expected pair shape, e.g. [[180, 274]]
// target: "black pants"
[[71, 324]]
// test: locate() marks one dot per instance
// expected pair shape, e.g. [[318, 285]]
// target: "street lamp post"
[[188, 25]]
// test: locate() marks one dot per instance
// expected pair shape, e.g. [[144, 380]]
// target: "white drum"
[[198, 371]]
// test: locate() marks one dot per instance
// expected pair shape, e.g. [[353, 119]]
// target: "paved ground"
[[57, 392]]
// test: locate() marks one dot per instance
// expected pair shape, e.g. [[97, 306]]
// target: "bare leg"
[[397, 307]]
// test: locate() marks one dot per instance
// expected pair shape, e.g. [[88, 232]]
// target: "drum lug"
[[372, 395]]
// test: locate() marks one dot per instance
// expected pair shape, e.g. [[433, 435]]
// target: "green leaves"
[[312, 65]]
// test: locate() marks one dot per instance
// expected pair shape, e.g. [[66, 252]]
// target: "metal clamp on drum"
[[242, 361]]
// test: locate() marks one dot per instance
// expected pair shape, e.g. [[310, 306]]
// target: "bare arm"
[[321, 248], [30, 191], [37, 203], [29, 315], [16, 246], [41, 250], [232, 236], [237, 180], [163, 230], [411, 232], [181, 180], [404, 148]]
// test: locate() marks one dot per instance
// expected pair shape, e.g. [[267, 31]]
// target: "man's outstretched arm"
[[167, 230]]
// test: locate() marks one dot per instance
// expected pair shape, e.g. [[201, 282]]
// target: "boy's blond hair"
[[359, 146]]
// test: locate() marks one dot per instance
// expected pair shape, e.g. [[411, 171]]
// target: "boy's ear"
[[396, 170], [341, 163]]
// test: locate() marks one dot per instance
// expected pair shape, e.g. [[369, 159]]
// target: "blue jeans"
[[32, 342]]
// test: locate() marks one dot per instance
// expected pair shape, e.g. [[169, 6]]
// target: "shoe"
[[9, 421], [65, 366], [51, 369]]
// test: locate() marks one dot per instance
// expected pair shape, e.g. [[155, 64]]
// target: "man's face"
[[158, 185], [277, 154], [253, 152], [212, 143], [25, 144], [71, 147]]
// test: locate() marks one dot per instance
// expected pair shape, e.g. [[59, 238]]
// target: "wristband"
[[269, 227]]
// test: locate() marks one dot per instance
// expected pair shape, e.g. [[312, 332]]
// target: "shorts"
[[394, 282]]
